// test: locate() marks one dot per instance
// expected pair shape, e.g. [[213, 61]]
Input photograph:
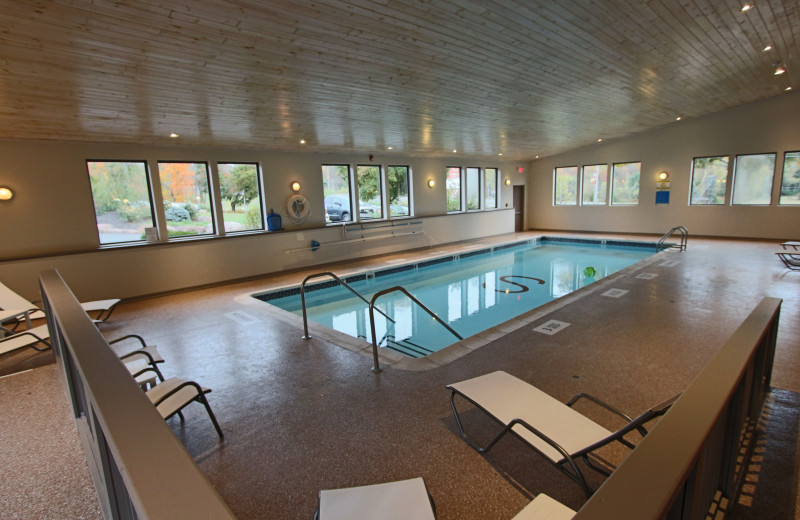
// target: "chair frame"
[[9, 335], [790, 260], [567, 464], [200, 398]]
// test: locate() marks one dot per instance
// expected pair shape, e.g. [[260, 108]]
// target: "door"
[[519, 208]]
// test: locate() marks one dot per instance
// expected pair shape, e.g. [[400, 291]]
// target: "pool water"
[[472, 291]]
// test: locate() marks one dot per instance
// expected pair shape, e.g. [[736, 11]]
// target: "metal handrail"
[[303, 298], [376, 367], [684, 237]]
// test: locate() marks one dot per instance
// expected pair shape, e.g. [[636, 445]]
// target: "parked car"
[[338, 208]]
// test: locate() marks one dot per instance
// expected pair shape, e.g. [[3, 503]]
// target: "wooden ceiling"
[[517, 77]]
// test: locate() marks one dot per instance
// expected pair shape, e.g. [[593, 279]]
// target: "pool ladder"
[[376, 366], [684, 239]]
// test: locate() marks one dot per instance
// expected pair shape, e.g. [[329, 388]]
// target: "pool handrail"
[[684, 238], [345, 284], [376, 367]]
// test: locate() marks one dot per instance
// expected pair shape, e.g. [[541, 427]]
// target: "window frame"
[[556, 202], [614, 178], [461, 205], [349, 192], [151, 200], [496, 188], [381, 197], [259, 187], [726, 181], [467, 184], [772, 179], [583, 184], [408, 190], [212, 209], [783, 177]]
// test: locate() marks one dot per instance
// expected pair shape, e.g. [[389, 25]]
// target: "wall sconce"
[[431, 183], [6, 193], [295, 186], [663, 176], [508, 182]]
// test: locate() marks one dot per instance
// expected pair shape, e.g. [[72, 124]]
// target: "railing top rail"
[[415, 300], [659, 465], [161, 479]]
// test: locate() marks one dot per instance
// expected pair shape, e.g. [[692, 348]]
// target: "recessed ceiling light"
[[599, 140], [454, 150], [678, 118], [390, 147], [788, 88], [174, 135], [746, 7], [767, 48], [500, 154], [302, 141], [536, 157], [779, 70]]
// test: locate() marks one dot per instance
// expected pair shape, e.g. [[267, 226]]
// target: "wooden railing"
[[139, 468], [689, 460]]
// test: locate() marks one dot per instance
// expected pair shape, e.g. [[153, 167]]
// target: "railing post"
[[375, 366]]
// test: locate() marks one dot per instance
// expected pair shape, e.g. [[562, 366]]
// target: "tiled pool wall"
[[377, 273]]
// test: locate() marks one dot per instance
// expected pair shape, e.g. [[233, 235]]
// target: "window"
[[790, 183], [473, 188], [121, 194], [453, 187], [566, 186], [187, 202], [241, 196], [399, 202], [625, 183], [709, 178], [595, 185], [752, 179], [370, 197], [336, 188], [490, 190]]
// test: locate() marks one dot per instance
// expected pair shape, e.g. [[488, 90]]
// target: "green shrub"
[[177, 214], [253, 217]]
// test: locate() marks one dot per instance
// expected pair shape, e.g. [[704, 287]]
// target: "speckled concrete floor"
[[300, 416]]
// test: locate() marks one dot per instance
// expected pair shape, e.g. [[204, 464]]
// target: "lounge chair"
[[550, 427], [545, 508], [790, 260], [400, 500], [27, 338], [174, 394], [28, 311]]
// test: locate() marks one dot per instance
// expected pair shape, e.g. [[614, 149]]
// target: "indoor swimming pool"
[[471, 292]]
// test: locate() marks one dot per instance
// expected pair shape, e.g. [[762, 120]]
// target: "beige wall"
[[50, 223], [767, 126]]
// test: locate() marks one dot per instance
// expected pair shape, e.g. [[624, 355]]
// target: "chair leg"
[[203, 400]]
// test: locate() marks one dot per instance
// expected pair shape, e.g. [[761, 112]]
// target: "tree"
[[239, 184]]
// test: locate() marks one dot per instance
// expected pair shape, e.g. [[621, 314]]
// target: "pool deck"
[[304, 415]]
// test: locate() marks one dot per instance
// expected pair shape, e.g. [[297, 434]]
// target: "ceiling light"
[[788, 88], [746, 7], [779, 70], [599, 140], [678, 118], [6, 193], [500, 154], [302, 141], [174, 135], [390, 147], [454, 150], [767, 48]]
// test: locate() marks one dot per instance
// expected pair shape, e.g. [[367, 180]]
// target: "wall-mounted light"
[[663, 176], [431, 183], [295, 186], [6, 193], [508, 182]]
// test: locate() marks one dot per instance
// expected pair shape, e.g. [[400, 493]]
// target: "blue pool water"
[[472, 291]]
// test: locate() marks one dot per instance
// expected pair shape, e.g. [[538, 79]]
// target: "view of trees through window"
[[187, 202], [709, 179], [625, 183], [752, 179], [121, 196], [595, 185], [473, 188], [566, 186], [790, 182], [490, 190], [241, 198], [398, 191], [453, 187], [370, 203]]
